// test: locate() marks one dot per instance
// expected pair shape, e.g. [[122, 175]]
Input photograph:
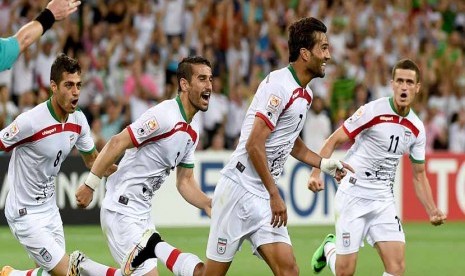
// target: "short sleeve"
[[146, 126], [358, 122], [418, 149], [9, 52], [16, 133], [271, 100], [85, 143]]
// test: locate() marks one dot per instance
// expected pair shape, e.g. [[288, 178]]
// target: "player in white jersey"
[[40, 139], [246, 203], [162, 139], [383, 130]]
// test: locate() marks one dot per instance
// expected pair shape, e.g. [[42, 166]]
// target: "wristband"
[[46, 19], [92, 181]]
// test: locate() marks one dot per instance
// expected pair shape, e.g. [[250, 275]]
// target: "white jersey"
[[381, 138], [283, 104], [163, 140], [40, 143]]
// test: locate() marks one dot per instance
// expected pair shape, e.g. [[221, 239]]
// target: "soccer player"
[[383, 131], [164, 138], [246, 202], [12, 46], [40, 139]]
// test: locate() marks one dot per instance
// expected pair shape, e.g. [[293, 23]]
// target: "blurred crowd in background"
[[129, 51]]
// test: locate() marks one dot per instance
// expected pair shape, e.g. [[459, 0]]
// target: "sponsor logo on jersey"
[[50, 131], [386, 118], [11, 132], [221, 246], [273, 103], [346, 239], [45, 255]]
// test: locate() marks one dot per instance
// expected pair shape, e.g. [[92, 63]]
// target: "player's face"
[[405, 88], [200, 87], [319, 56], [66, 93]]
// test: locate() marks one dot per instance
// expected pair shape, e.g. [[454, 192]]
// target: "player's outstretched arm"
[[190, 190], [424, 194], [56, 10], [104, 163], [338, 137]]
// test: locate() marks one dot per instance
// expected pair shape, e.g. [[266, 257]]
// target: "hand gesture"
[[84, 195], [437, 217], [315, 183], [62, 8]]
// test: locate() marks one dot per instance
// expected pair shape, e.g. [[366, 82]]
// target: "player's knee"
[[396, 268], [287, 269]]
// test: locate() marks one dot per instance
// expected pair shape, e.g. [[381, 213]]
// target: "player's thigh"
[[42, 237], [346, 263], [280, 258], [123, 233], [214, 268], [234, 217], [351, 224]]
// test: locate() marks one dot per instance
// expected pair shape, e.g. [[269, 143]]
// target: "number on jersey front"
[[57, 160], [394, 143]]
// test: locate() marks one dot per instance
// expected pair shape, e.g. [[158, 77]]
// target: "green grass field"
[[430, 250]]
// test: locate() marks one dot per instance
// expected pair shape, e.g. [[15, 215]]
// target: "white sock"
[[31, 272], [181, 264], [330, 253], [91, 268], [387, 274]]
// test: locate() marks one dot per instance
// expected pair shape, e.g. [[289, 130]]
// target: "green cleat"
[[319, 258]]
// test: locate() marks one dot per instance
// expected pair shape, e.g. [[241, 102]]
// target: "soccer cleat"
[[6, 270], [75, 260], [142, 251], [319, 258]]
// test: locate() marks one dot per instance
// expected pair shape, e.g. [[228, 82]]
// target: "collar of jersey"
[[50, 108], [391, 102], [181, 108], [294, 74]]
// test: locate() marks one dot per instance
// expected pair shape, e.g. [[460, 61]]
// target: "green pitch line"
[[430, 250]]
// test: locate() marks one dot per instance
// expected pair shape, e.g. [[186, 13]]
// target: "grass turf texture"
[[430, 250]]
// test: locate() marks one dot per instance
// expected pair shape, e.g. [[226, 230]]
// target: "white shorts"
[[123, 233], [239, 215], [359, 218], [42, 236]]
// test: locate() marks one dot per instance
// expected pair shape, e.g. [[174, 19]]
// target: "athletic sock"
[[90, 268], [330, 253], [181, 264], [32, 272], [387, 274]]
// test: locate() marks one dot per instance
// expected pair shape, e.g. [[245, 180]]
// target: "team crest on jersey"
[[12, 131], [346, 239], [221, 246], [357, 115], [407, 136], [45, 255], [273, 103]]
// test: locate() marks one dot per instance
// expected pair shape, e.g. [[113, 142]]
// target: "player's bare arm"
[[338, 137], [424, 194], [256, 149], [104, 162], [90, 158], [56, 10], [190, 190]]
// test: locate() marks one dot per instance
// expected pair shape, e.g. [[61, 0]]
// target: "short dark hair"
[[302, 34], [407, 64], [185, 71], [62, 64]]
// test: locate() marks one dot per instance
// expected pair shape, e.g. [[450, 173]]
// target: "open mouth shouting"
[[206, 96]]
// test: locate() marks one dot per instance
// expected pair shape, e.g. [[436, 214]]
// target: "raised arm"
[[424, 194]]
